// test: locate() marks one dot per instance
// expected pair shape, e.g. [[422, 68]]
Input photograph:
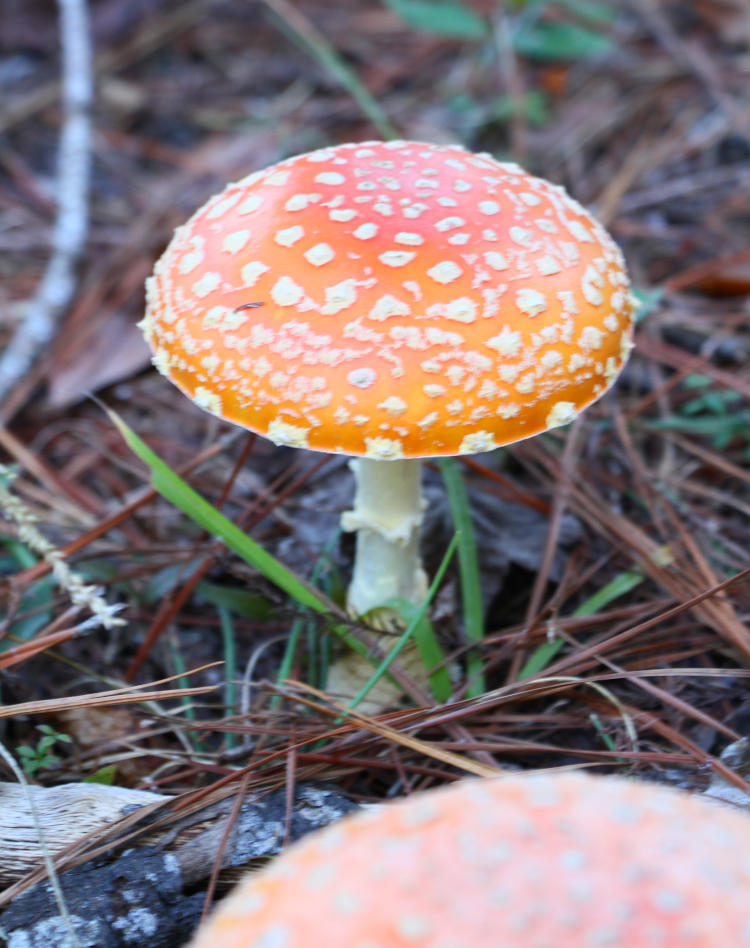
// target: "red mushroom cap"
[[547, 861], [394, 299]]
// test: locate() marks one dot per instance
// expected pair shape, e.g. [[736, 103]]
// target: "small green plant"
[[564, 30], [444, 17], [713, 412], [41, 756], [547, 30]]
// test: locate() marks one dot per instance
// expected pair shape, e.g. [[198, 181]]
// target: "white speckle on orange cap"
[[235, 241], [322, 156], [289, 235], [162, 361], [394, 405], [489, 207], [384, 449], [445, 272], [285, 292], [508, 372], [297, 202], [319, 255], [463, 310], [210, 363], [545, 224], [281, 432], [521, 236], [278, 179], [561, 413], [414, 288], [413, 928], [277, 936], [221, 206], [547, 265], [388, 306], [205, 398], [251, 271], [568, 300], [495, 260], [206, 284], [550, 359], [366, 231], [340, 296], [450, 223], [429, 419], [409, 239], [531, 301], [361, 378], [313, 261], [576, 362], [330, 177], [476, 442], [610, 369], [591, 338], [565, 860], [526, 384], [591, 281], [396, 258], [251, 203], [215, 316], [578, 231], [194, 257]]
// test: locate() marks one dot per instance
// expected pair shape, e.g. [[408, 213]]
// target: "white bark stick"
[[56, 288]]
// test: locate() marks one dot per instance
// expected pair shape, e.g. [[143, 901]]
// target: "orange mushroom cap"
[[391, 299], [547, 861]]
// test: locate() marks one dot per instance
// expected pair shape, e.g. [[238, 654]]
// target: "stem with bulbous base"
[[387, 516]]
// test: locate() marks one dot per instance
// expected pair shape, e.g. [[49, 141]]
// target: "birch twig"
[[55, 290]]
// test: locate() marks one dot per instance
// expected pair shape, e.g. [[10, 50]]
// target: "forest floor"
[[612, 553]]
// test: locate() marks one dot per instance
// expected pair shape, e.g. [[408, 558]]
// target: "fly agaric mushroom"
[[530, 861], [391, 301]]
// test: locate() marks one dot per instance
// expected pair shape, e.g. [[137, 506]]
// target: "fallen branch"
[[147, 887], [42, 312]]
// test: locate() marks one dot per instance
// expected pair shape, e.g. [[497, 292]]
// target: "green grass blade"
[[468, 566], [325, 54], [543, 655], [171, 486], [297, 627], [410, 630], [241, 602], [430, 651], [621, 584], [183, 681], [230, 669]]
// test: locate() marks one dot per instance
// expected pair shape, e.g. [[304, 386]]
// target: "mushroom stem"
[[387, 516]]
